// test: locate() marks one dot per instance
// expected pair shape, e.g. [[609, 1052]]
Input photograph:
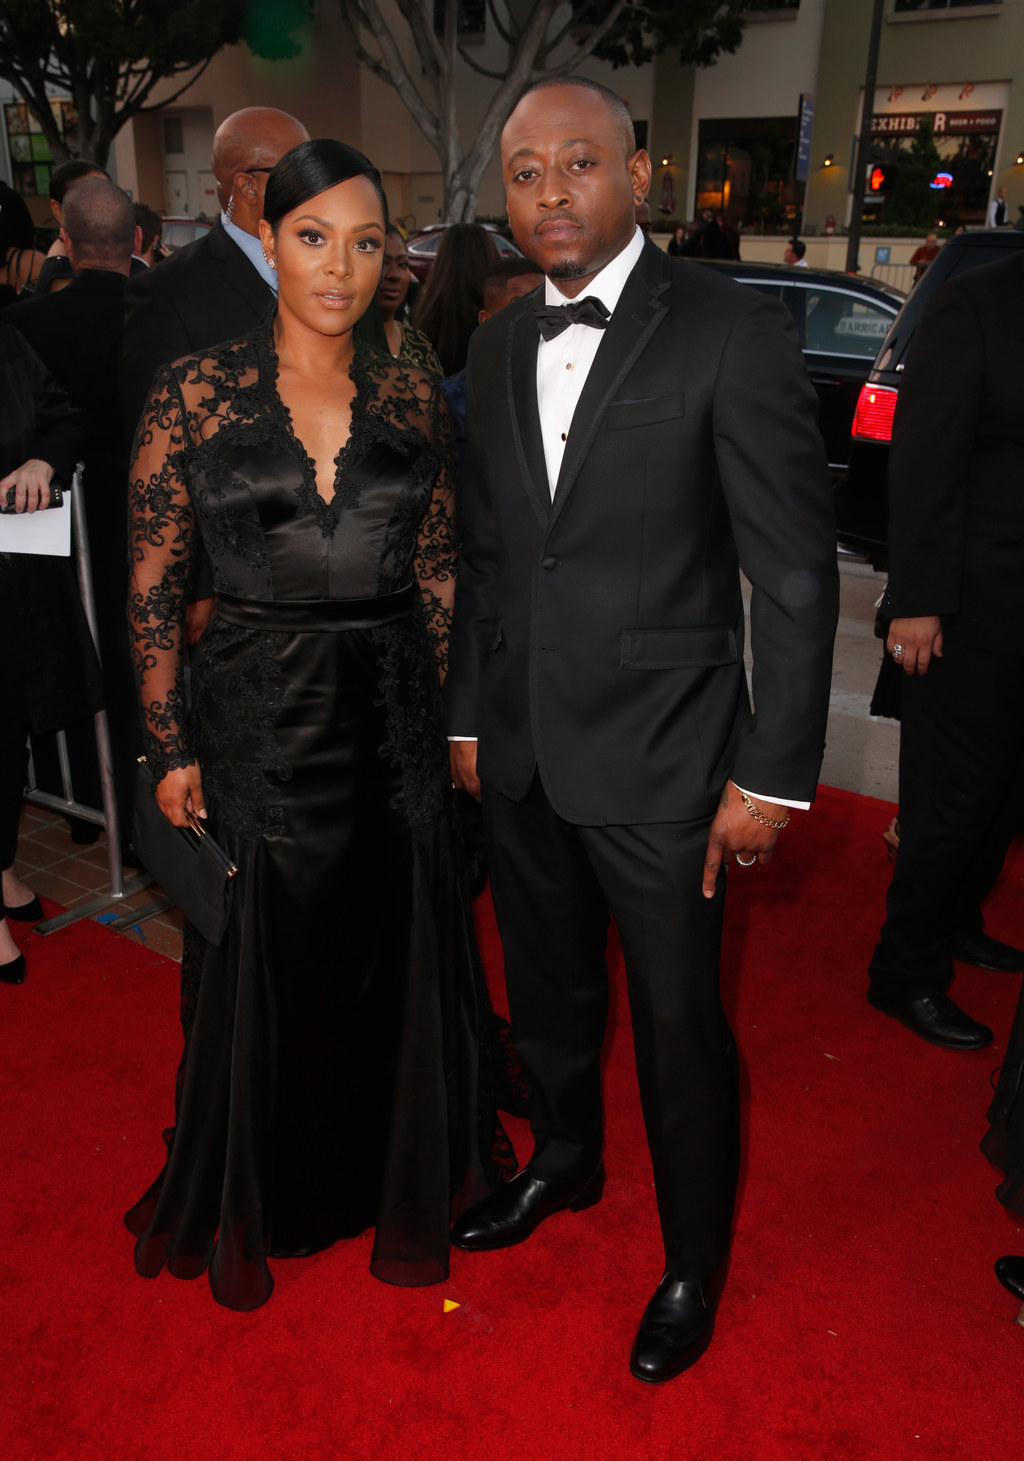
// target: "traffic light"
[[881, 178]]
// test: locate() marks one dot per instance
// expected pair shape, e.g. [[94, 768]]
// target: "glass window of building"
[[746, 170], [32, 160], [920, 181], [905, 5]]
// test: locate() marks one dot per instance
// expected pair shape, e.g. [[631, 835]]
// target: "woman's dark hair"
[[312, 168], [448, 304]]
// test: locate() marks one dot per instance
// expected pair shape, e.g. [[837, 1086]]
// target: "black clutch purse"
[[186, 861]]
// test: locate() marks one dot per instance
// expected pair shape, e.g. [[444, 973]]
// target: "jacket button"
[[549, 562]]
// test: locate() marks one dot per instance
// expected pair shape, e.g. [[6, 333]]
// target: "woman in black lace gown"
[[331, 1076]]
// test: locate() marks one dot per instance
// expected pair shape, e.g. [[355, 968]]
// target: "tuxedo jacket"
[[956, 466], [599, 637], [201, 295]]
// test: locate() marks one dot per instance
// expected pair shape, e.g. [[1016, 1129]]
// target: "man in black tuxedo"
[[956, 593], [615, 480]]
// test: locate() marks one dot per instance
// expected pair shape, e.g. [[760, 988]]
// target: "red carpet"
[[861, 1318]]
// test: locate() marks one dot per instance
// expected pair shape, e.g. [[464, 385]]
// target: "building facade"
[[766, 136]]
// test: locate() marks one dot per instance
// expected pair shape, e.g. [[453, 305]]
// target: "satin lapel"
[[637, 315], [521, 385]]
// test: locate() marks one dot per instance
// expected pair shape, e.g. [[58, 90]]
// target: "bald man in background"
[[212, 290], [215, 288]]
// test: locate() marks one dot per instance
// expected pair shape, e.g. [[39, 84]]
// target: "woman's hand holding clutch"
[[181, 790]]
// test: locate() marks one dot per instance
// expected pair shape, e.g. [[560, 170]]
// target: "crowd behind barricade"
[[276, 422]]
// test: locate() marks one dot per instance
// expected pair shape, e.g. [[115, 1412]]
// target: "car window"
[[837, 323], [177, 235]]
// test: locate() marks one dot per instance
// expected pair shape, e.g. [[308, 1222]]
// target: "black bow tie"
[[552, 319]]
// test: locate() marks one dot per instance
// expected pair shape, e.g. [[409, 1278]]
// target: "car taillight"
[[872, 420]]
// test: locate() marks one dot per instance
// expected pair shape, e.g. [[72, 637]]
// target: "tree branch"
[[166, 101], [587, 47], [507, 35], [395, 71], [480, 70]]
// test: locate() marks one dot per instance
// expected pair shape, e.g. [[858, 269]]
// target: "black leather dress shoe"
[[675, 1331], [511, 1214], [988, 953], [30, 912], [13, 972], [1010, 1273], [935, 1018]]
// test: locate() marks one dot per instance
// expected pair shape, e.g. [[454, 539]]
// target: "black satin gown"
[[1003, 1143], [331, 1079]]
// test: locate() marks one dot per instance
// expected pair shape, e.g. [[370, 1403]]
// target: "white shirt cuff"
[[779, 801]]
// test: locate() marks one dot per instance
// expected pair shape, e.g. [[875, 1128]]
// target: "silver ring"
[[746, 864], [897, 651]]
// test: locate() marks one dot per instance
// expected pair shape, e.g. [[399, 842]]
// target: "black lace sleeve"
[[162, 529], [437, 545]]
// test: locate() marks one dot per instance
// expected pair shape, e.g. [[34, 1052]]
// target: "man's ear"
[[482, 315], [69, 247], [137, 242], [639, 168]]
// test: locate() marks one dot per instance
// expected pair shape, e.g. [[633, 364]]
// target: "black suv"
[[842, 319], [862, 497]]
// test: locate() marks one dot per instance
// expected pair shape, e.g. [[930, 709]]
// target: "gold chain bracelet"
[[759, 816]]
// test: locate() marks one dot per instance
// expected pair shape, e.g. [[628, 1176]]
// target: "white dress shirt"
[[563, 364], [252, 248]]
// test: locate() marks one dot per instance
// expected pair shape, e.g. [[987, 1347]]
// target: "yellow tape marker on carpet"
[[449, 1305]]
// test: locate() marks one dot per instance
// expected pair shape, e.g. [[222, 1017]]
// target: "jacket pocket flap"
[[646, 412], [676, 649]]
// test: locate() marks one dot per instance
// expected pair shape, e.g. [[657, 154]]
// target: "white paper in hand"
[[47, 532]]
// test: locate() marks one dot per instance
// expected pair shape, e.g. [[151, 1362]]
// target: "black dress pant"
[[961, 762], [14, 723], [554, 885]]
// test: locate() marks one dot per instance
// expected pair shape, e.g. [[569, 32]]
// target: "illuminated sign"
[[941, 180]]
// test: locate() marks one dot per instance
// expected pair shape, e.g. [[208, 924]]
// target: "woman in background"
[[405, 342], [20, 261], [449, 304]]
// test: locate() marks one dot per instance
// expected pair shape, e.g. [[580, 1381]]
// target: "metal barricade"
[[105, 816], [900, 275]]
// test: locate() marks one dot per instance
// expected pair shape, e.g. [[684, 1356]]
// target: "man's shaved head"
[[99, 221], [255, 137], [614, 103]]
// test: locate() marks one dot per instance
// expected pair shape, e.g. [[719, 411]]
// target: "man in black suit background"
[[615, 480], [213, 289], [956, 593], [76, 332], [217, 287]]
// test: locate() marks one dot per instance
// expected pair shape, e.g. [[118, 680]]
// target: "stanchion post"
[[83, 568]]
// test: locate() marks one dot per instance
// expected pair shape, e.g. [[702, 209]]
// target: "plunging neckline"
[[327, 510]]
